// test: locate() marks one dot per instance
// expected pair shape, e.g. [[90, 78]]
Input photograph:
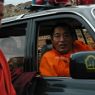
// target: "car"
[[25, 35]]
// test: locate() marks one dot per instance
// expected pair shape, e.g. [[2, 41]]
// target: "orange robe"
[[6, 87], [56, 64]]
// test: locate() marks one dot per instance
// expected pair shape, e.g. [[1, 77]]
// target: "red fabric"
[[6, 87], [23, 81], [15, 73], [83, 2], [57, 1], [39, 2], [87, 2], [61, 1]]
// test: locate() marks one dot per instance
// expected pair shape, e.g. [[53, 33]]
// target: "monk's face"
[[62, 40], [1, 11]]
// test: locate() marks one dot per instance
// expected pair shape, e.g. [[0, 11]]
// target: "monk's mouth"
[[63, 45]]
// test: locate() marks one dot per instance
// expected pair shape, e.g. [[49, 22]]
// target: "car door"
[[41, 32]]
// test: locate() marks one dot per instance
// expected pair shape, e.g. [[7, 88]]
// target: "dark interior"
[[14, 30], [45, 27]]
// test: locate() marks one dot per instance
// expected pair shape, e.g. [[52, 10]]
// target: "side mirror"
[[82, 65]]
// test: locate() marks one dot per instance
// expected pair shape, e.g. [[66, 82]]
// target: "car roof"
[[73, 9]]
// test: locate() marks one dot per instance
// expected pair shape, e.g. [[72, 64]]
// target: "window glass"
[[12, 40], [13, 46], [83, 35], [89, 38]]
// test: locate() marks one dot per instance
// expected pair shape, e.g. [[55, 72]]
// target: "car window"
[[12, 40], [44, 30], [83, 35]]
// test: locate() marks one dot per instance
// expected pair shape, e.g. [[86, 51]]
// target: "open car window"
[[44, 31]]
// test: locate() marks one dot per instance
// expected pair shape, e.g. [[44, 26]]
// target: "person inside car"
[[6, 87], [46, 47], [56, 61]]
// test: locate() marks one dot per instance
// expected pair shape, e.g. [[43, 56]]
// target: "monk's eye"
[[66, 35], [56, 35]]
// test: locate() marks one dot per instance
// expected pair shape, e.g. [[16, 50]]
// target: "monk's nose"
[[62, 38]]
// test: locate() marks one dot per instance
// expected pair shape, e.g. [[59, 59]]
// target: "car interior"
[[44, 30], [16, 60]]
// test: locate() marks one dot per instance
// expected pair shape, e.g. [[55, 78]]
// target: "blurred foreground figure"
[[6, 87]]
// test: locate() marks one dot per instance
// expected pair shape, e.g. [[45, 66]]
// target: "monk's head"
[[1, 9], [62, 37]]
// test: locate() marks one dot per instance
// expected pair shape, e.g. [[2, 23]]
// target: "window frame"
[[26, 51], [52, 17]]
